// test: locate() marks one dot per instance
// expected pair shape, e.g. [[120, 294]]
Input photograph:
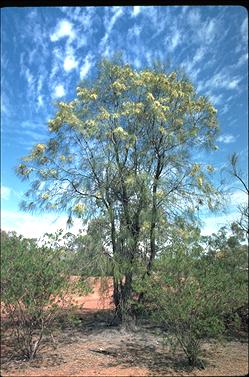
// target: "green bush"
[[190, 294], [33, 279]]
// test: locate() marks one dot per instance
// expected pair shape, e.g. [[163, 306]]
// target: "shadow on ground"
[[132, 354]]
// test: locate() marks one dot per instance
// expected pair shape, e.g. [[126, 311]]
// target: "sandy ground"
[[110, 352], [92, 348]]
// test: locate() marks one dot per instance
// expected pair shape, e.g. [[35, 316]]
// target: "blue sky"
[[46, 51]]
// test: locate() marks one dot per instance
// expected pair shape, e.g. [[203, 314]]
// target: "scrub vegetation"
[[121, 157]]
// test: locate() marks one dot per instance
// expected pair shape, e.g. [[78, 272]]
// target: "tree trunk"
[[122, 293], [154, 215]]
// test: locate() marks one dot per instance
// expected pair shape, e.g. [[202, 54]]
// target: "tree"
[[122, 149]]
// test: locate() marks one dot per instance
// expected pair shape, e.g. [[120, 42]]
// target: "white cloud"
[[244, 29], [239, 197], [82, 15], [243, 59], [199, 54], [193, 17], [134, 31], [30, 79], [86, 66], [191, 70], [148, 55], [174, 40], [212, 224], [191, 65], [216, 99], [208, 31], [205, 31], [152, 12], [226, 139], [117, 13], [40, 102], [184, 9], [222, 80], [224, 109], [70, 63], [59, 91], [63, 29], [5, 103], [137, 63], [109, 24], [40, 84], [34, 226], [57, 61], [233, 84], [5, 192], [31, 124], [136, 10]]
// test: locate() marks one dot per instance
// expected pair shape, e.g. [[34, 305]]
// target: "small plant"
[[33, 282], [189, 295]]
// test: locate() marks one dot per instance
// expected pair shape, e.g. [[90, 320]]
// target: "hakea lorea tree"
[[123, 150]]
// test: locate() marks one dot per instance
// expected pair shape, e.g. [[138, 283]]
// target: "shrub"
[[33, 281], [189, 296]]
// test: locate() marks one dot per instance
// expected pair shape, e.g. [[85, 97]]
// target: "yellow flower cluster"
[[160, 110], [146, 225], [147, 77], [179, 122], [138, 107], [128, 72], [66, 106], [119, 87], [162, 130], [40, 148], [53, 206], [160, 194], [150, 97], [172, 76], [79, 208], [130, 180], [86, 94], [199, 181], [210, 168], [91, 123], [93, 96], [131, 108], [54, 124], [104, 114], [45, 196], [120, 132], [195, 169]]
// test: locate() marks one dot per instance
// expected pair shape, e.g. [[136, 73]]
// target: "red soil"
[[99, 298]]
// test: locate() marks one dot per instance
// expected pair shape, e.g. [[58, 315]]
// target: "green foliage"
[[190, 293], [122, 151], [239, 175], [88, 253], [99, 145], [33, 280]]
